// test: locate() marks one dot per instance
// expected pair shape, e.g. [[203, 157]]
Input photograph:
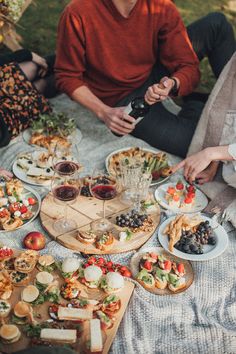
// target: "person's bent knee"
[[218, 21]]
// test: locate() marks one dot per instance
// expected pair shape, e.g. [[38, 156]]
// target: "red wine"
[[104, 192], [65, 193], [66, 167]]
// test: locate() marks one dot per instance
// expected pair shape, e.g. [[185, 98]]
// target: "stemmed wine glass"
[[103, 187], [65, 189], [63, 161]]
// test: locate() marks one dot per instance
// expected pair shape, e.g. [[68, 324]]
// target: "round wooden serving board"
[[84, 211]]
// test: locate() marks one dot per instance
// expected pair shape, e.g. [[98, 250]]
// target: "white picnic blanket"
[[200, 320]]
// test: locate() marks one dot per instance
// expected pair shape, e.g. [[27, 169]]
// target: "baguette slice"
[[95, 336], [73, 314], [59, 335]]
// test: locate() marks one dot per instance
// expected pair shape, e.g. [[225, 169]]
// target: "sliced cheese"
[[95, 336], [73, 314], [59, 335]]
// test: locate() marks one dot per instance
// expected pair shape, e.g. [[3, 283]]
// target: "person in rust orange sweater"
[[110, 51]]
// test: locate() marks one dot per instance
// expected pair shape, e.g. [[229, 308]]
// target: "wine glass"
[[65, 189], [63, 161], [103, 187]]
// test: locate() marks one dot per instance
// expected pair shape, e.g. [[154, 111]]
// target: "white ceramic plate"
[[201, 200], [210, 251], [29, 192], [21, 174], [77, 136], [159, 181]]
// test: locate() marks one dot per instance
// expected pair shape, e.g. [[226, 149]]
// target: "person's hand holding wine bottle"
[[118, 121]]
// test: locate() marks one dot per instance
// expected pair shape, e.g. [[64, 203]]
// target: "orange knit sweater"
[[112, 55]]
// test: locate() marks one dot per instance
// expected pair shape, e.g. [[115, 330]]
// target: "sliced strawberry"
[[188, 200], [32, 201], [167, 265], [180, 268], [147, 265], [176, 197], [92, 260], [171, 190], [179, 186]]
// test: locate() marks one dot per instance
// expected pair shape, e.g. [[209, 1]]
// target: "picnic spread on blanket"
[[101, 245]]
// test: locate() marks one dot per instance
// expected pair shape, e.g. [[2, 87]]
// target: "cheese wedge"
[[58, 335], [73, 314], [95, 336]]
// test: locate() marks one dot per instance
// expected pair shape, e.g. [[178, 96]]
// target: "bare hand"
[[6, 174], [159, 92], [41, 62], [194, 164], [208, 174], [118, 121]]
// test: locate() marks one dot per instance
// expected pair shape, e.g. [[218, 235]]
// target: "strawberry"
[[91, 260], [167, 265], [188, 200], [31, 201], [147, 265], [171, 190], [191, 188], [176, 197], [180, 268], [179, 186]]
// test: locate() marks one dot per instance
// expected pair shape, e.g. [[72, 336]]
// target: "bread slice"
[[59, 335], [30, 293], [95, 336], [73, 314]]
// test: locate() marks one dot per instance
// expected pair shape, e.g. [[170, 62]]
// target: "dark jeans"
[[212, 37]]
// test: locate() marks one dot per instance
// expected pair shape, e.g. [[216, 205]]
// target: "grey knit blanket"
[[200, 320]]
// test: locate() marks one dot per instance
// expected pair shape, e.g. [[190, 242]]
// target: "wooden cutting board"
[[84, 211]]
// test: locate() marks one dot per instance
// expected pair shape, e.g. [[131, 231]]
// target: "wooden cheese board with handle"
[[86, 210]]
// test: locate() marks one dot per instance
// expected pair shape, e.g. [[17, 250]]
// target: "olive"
[[212, 241], [48, 170], [30, 162]]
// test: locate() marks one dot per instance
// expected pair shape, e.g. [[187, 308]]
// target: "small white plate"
[[159, 181], [29, 192], [210, 251], [77, 136], [201, 200]]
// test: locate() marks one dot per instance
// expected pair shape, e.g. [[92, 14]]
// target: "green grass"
[[39, 25]]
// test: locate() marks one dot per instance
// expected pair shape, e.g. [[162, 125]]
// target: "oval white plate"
[[29, 192], [77, 135], [210, 251], [201, 200], [130, 147]]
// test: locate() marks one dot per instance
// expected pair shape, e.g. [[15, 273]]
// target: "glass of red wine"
[[63, 161], [103, 187], [65, 190]]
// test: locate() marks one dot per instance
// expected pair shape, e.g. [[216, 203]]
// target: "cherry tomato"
[[4, 213], [176, 197], [109, 264], [110, 269], [171, 190], [179, 186], [180, 268], [86, 265], [154, 255], [147, 265], [191, 188], [191, 195], [127, 274], [101, 261], [31, 201], [103, 270], [167, 265], [188, 200], [23, 209], [92, 260], [123, 269]]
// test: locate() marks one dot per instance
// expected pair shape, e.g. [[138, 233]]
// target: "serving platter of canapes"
[[44, 301], [161, 273]]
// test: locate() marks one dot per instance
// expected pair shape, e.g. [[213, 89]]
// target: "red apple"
[[34, 241]]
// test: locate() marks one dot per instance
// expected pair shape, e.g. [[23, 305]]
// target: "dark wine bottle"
[[137, 109]]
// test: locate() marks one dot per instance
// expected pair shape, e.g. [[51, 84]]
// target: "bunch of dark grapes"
[[193, 242], [131, 219], [85, 191]]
